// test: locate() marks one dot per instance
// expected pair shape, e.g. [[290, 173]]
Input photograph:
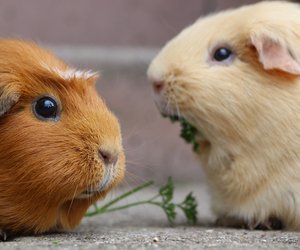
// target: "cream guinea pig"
[[61, 147], [235, 76]]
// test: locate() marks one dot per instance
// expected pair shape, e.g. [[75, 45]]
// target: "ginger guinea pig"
[[61, 147], [235, 76]]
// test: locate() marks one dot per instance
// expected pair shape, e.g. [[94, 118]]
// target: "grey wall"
[[103, 22]]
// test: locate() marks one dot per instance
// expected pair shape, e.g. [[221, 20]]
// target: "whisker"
[[177, 108], [69, 209], [135, 178], [131, 133]]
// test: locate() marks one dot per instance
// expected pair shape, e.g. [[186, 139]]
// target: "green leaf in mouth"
[[188, 131]]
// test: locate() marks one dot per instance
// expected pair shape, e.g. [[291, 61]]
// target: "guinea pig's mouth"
[[188, 131], [103, 185]]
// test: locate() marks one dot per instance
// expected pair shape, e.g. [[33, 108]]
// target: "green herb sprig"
[[164, 200], [188, 132]]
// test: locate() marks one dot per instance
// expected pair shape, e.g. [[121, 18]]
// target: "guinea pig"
[[61, 147], [234, 76]]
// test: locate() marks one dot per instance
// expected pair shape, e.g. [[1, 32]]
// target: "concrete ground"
[[146, 227]]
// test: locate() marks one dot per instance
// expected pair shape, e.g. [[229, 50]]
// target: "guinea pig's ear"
[[274, 53], [8, 98]]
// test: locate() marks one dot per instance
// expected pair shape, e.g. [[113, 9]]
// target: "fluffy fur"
[[247, 108], [46, 166]]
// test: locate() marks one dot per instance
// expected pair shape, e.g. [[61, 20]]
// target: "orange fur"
[[247, 109], [45, 166]]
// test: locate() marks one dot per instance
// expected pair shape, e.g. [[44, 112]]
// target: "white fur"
[[73, 73], [70, 73]]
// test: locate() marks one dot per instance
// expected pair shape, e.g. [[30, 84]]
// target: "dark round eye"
[[222, 54], [45, 108]]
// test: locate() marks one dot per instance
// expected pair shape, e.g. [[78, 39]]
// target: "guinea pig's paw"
[[272, 223], [3, 235], [226, 221]]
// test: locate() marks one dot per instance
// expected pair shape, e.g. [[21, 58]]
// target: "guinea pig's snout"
[[157, 86], [108, 157]]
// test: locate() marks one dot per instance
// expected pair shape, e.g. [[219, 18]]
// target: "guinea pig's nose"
[[108, 158], [157, 86]]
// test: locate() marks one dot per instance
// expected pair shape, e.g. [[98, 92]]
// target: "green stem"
[[103, 209], [154, 197]]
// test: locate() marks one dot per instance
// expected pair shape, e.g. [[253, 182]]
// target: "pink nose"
[[158, 86]]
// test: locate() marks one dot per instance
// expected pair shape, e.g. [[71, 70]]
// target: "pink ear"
[[274, 55]]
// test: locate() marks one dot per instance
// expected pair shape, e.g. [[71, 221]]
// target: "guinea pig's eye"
[[46, 108], [222, 54]]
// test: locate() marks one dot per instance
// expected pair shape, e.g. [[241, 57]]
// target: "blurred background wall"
[[103, 22], [119, 38]]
